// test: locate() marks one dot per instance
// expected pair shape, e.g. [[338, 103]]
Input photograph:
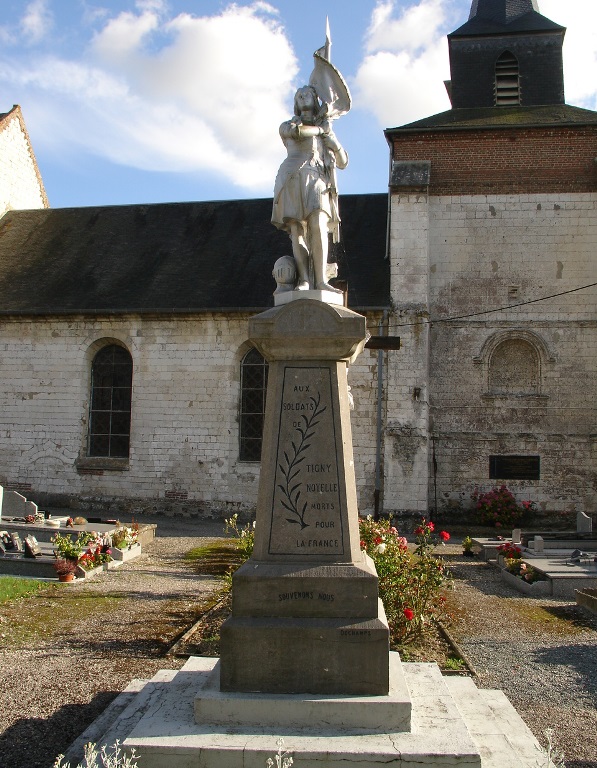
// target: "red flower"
[[363, 545], [431, 526], [444, 535], [409, 614], [378, 540]]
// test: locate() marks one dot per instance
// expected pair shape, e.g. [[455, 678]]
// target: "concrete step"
[[454, 725], [503, 738], [120, 716]]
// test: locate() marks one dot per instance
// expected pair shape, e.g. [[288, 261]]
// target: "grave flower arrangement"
[[97, 553], [88, 550], [467, 546], [125, 536], [410, 582], [68, 548], [64, 567], [523, 571], [510, 551], [499, 507]]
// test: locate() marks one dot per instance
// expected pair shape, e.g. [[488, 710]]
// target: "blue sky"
[[140, 101]]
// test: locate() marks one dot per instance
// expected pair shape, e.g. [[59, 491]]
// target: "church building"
[[127, 379]]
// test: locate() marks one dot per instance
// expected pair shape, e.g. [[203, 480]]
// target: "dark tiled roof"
[[173, 257], [503, 117], [490, 17]]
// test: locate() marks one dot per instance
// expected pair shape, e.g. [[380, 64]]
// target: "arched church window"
[[507, 80], [514, 368], [253, 384], [111, 389]]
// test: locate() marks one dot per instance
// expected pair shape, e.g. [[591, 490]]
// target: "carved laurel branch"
[[293, 458]]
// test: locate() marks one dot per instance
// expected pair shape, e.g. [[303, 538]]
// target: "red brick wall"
[[507, 161]]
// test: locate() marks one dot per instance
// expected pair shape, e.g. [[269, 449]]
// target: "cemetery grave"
[[26, 535], [564, 561]]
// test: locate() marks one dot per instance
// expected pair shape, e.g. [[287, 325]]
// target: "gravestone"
[[584, 523], [14, 504], [306, 617]]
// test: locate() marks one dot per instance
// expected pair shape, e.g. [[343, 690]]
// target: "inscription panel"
[[307, 498]]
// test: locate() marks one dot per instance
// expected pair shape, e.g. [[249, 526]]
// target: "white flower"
[[381, 548]]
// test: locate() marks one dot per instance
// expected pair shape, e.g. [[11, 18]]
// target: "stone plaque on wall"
[[306, 503]]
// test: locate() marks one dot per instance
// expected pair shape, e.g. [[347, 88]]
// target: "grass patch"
[[54, 611], [454, 664], [554, 620], [12, 588], [215, 559]]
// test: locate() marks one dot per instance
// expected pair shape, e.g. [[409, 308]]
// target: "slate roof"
[[504, 16], [173, 258], [502, 117]]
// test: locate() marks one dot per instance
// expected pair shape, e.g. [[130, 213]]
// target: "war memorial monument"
[[305, 654]]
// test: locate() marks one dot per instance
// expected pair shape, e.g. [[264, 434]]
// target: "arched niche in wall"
[[513, 364]]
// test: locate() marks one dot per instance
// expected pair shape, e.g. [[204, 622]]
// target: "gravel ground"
[[542, 653], [55, 683], [56, 680]]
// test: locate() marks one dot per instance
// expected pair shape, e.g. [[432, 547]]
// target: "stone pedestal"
[[306, 617]]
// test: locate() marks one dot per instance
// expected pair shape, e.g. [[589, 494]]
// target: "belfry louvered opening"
[[507, 80]]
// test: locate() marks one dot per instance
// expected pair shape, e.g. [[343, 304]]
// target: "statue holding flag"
[[305, 193]]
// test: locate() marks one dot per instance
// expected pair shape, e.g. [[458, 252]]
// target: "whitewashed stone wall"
[[20, 184], [487, 252], [184, 429], [406, 444]]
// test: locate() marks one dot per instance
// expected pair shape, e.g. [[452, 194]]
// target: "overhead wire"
[[431, 321]]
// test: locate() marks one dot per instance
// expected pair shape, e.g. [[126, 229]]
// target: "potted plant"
[[65, 569], [467, 547], [69, 549]]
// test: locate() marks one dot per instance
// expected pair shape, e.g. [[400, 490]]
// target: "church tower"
[[493, 210], [507, 54]]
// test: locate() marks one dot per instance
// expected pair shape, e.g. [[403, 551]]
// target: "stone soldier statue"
[[305, 193]]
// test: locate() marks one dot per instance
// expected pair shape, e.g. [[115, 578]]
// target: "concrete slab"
[[99, 730], [167, 734], [505, 741], [587, 598], [454, 725], [488, 546], [565, 577], [390, 713]]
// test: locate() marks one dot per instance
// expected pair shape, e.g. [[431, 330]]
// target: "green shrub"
[[499, 508], [410, 583]]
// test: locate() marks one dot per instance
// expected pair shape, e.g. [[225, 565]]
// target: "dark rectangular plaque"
[[383, 342], [514, 467], [307, 497]]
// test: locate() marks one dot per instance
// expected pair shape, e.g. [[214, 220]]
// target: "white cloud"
[[173, 93], [580, 48], [37, 21], [417, 27], [122, 36], [401, 77], [406, 56]]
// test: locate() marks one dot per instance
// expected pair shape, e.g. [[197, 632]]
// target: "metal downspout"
[[383, 323], [380, 375]]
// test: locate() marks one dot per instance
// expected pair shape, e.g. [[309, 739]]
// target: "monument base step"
[[383, 714], [453, 724]]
